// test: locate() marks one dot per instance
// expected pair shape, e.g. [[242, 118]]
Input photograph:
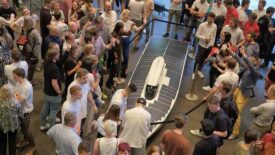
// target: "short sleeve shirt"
[[202, 7], [51, 72]]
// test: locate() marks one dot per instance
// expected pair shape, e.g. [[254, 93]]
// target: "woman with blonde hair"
[[9, 121], [127, 31]]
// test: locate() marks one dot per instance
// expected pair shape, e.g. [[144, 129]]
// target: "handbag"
[[22, 41]]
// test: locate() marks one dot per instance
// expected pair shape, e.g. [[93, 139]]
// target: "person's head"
[[245, 4], [48, 3], [54, 45], [108, 6], [251, 136], [110, 128], [26, 11], [219, 2], [141, 102], [99, 22], [125, 15], [73, 52], [250, 37], [75, 6], [91, 12], [95, 32], [76, 92], [211, 18], [180, 121], [131, 88], [226, 37], [52, 54], [80, 14], [69, 37], [231, 63], [28, 23], [208, 127], [270, 11], [5, 4], [273, 131], [16, 55], [226, 89], [82, 75], [124, 149], [70, 119], [18, 74], [271, 92], [56, 6], [228, 3], [118, 27], [112, 113], [87, 63], [213, 103], [154, 150], [84, 148], [252, 17], [53, 30], [73, 26], [5, 93], [261, 4], [57, 15], [89, 49], [233, 22]]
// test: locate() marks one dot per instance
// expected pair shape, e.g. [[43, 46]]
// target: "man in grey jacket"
[[264, 113], [244, 91]]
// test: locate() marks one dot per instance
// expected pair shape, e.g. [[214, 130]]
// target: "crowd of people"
[[77, 43]]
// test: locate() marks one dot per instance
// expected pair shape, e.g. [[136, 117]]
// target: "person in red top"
[[251, 25], [231, 11], [173, 142], [267, 143]]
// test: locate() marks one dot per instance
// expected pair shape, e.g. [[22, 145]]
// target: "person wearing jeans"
[[175, 10], [52, 89]]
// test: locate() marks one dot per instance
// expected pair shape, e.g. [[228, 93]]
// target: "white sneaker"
[[44, 127], [196, 132], [102, 101], [207, 88], [200, 74]]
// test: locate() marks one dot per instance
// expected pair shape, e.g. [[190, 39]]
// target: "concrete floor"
[[45, 146]]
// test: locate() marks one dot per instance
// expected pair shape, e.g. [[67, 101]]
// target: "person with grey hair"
[[32, 49], [64, 136], [107, 145]]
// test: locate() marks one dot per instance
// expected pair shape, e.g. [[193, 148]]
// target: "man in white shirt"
[[198, 12], [120, 98], [243, 18], [109, 16], [23, 93], [175, 10], [260, 11], [237, 37], [88, 107], [136, 129], [138, 16], [73, 105], [218, 8], [206, 34], [64, 136], [17, 63]]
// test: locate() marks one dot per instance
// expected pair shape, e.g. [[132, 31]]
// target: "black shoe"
[[123, 75], [135, 48], [176, 36], [166, 35]]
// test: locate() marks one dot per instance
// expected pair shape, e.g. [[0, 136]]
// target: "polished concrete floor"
[[45, 146]]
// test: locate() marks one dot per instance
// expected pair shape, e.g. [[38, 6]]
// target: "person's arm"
[[220, 133], [96, 147], [92, 102], [257, 110], [56, 86], [95, 83], [78, 65]]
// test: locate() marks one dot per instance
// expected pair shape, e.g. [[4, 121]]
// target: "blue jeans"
[[50, 109], [125, 51]]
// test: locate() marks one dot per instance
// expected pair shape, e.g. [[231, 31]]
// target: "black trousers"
[[213, 74], [9, 137], [201, 56]]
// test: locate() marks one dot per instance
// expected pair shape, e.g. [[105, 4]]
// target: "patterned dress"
[[5, 58]]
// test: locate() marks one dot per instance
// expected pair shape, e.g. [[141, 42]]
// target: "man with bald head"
[[109, 16]]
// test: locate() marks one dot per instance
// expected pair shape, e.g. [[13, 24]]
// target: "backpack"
[[22, 41], [228, 124]]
